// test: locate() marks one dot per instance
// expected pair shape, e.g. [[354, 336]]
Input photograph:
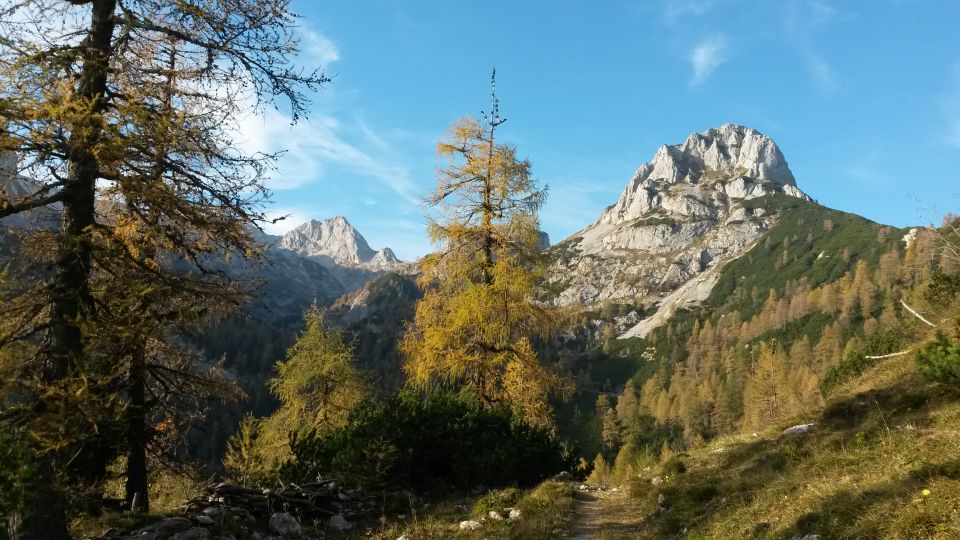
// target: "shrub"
[[630, 460], [601, 472], [674, 465], [856, 362], [939, 360], [428, 443], [495, 500]]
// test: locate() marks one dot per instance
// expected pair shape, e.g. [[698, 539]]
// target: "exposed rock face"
[[333, 240], [338, 246], [681, 215], [543, 241]]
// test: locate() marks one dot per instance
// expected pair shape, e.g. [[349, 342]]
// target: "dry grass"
[[883, 461]]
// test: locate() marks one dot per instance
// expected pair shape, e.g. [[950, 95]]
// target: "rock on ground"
[[284, 524]]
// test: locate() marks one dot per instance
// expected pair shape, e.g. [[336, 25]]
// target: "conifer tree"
[[318, 385], [764, 393], [474, 328], [132, 102]]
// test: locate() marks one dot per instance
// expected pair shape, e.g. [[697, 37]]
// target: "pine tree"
[[474, 328], [610, 432], [244, 459]]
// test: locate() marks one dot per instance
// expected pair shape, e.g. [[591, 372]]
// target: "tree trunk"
[[137, 493], [72, 265], [64, 344]]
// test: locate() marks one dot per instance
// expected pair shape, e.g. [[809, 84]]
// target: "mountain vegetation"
[[717, 355], [474, 326]]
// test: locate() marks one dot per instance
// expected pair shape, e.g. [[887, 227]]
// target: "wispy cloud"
[[318, 48], [804, 20], [313, 147], [316, 148], [706, 56], [293, 217], [674, 10], [824, 76], [950, 108]]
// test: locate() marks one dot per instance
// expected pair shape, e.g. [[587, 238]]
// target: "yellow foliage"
[[473, 328]]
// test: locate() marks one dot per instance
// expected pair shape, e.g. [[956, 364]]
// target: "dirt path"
[[585, 519], [604, 514]]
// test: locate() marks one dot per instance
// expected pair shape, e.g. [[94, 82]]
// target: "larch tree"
[[764, 394], [131, 106], [474, 328], [318, 386]]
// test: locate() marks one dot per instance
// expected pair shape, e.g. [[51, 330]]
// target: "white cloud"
[[804, 20], [312, 147], [706, 57], [316, 148], [824, 76], [318, 48], [294, 218], [678, 9]]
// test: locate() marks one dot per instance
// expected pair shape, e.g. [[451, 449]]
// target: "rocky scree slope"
[[679, 219]]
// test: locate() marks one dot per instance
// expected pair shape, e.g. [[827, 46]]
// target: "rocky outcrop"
[[679, 219], [335, 242], [339, 247]]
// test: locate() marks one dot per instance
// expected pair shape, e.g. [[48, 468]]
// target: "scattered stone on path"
[[284, 523], [470, 525], [195, 533], [514, 514], [801, 428], [339, 523], [494, 515], [206, 521], [172, 525]]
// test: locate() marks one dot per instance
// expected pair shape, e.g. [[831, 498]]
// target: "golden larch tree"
[[472, 330]]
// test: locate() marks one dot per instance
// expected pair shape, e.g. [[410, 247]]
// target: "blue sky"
[[863, 99]]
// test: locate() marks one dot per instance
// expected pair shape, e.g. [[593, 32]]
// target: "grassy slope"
[[861, 472]]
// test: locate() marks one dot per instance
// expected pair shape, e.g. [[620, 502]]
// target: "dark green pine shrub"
[[435, 442], [856, 362], [939, 360]]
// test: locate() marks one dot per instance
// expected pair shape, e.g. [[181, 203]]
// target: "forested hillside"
[[713, 355], [819, 292]]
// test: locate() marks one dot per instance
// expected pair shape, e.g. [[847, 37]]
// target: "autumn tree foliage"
[[474, 328], [318, 385], [124, 115]]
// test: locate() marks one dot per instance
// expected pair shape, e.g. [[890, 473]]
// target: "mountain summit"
[[335, 241], [735, 160], [680, 218]]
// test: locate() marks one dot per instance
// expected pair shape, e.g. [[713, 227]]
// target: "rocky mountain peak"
[[678, 220], [709, 169], [331, 240], [729, 150]]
